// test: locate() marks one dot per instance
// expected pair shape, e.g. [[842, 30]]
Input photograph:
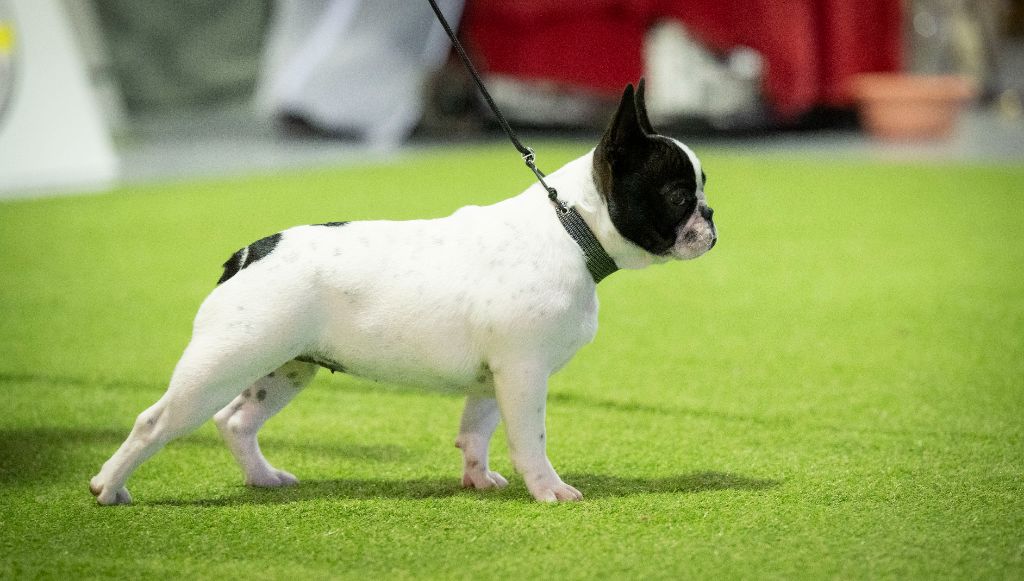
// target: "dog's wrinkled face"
[[653, 185]]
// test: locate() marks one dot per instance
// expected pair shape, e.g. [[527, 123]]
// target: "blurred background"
[[96, 93]]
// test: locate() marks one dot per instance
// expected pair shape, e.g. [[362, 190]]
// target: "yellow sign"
[[6, 38]]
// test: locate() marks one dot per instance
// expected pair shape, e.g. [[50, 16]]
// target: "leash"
[[599, 264]]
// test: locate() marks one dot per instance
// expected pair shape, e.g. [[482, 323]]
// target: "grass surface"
[[837, 390]]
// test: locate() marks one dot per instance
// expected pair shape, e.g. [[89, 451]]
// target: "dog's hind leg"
[[209, 374], [479, 419], [241, 419]]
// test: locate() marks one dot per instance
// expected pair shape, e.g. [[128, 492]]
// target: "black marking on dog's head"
[[249, 255], [648, 182], [332, 224], [261, 395]]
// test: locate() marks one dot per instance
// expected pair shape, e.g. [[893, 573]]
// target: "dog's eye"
[[679, 194], [703, 178]]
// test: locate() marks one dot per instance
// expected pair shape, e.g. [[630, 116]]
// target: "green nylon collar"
[[599, 263]]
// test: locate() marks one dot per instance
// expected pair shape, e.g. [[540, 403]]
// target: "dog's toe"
[[498, 480], [110, 496], [483, 480], [559, 492], [286, 478], [273, 478], [123, 496], [566, 492]]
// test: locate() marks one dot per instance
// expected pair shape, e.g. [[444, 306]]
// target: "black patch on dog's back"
[[261, 248], [249, 255], [231, 267], [331, 224]]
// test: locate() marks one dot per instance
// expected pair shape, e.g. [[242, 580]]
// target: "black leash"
[[599, 263]]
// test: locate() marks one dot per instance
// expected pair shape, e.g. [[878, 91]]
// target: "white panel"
[[53, 138]]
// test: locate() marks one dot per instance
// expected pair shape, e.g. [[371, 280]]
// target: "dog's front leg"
[[521, 394], [479, 419]]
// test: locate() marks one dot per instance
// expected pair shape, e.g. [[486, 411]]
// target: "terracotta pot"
[[901, 106]]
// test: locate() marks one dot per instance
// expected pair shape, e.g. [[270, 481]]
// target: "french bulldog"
[[490, 300]]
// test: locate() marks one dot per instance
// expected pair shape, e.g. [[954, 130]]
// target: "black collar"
[[599, 263]]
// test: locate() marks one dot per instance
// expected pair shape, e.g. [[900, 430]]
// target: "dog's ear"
[[624, 139], [641, 110]]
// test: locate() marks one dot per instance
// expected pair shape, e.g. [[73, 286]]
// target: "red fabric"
[[811, 47]]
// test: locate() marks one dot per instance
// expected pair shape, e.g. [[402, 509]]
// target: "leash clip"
[[529, 158]]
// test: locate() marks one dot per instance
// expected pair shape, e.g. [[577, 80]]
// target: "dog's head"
[[653, 185]]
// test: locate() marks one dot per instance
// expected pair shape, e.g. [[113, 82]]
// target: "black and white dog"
[[492, 300]]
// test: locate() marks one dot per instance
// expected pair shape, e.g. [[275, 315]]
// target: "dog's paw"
[[483, 479], [273, 478], [108, 495], [554, 492]]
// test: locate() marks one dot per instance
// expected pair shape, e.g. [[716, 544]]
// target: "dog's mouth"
[[693, 242], [694, 238]]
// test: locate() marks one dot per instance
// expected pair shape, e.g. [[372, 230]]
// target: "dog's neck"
[[576, 187]]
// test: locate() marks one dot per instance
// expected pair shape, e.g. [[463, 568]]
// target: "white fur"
[[490, 301]]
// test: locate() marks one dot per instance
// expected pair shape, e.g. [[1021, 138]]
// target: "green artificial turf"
[[836, 390]]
